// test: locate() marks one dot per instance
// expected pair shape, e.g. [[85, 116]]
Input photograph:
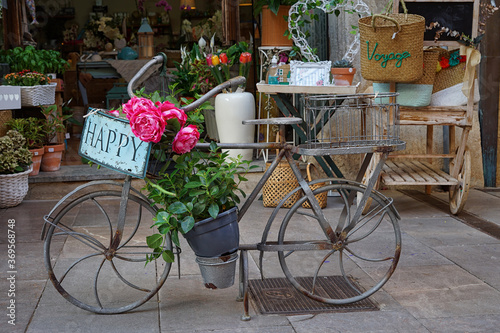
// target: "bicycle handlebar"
[[162, 58]]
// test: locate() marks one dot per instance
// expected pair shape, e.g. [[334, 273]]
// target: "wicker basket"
[[322, 197], [13, 188], [38, 95], [418, 93], [399, 35], [448, 77], [281, 182], [5, 116]]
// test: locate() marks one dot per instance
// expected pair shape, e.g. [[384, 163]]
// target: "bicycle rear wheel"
[[359, 263], [85, 272]]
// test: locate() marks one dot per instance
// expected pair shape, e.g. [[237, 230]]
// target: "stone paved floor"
[[446, 281]]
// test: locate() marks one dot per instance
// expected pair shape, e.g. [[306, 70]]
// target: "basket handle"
[[310, 169], [385, 18]]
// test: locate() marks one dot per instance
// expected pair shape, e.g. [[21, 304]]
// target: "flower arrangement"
[[14, 157], [221, 63], [26, 78], [100, 32], [202, 185]]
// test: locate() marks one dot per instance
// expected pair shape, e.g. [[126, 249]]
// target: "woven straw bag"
[[281, 182], [38, 95], [448, 77], [13, 188], [322, 197], [392, 47], [418, 93]]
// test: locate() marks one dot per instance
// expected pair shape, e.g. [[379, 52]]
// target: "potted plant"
[[343, 72], [274, 21], [200, 198], [53, 124], [36, 88], [29, 58], [15, 161], [32, 130]]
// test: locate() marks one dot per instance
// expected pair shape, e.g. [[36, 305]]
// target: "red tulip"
[[223, 58]]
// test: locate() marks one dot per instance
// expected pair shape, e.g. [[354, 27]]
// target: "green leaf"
[[175, 238], [168, 256], [193, 185], [195, 193], [162, 217], [198, 208], [213, 210], [214, 190], [154, 241], [177, 208], [187, 224], [164, 229]]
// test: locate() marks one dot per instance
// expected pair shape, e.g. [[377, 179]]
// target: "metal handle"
[[230, 84], [158, 59]]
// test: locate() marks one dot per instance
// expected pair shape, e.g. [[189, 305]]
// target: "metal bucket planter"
[[218, 272], [217, 237]]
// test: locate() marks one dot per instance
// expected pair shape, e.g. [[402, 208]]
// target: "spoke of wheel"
[[75, 263], [369, 232], [122, 256], [73, 234], [107, 219], [125, 281], [135, 229], [346, 212], [96, 294], [367, 259], [85, 239], [319, 268], [344, 275]]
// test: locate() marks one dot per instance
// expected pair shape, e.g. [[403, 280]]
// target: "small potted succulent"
[[343, 72], [15, 165], [32, 129]]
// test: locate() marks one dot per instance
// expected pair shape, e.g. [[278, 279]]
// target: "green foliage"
[[202, 185], [344, 63], [32, 129], [54, 122], [42, 61], [14, 157]]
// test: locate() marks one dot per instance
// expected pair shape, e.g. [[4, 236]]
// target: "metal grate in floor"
[[278, 296]]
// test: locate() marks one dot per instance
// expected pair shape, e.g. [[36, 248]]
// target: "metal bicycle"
[[356, 238]]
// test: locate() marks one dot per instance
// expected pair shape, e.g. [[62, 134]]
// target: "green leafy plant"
[[344, 63], [54, 123], [42, 61], [202, 185], [14, 156], [32, 129]]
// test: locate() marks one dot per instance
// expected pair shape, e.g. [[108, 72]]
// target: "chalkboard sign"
[[454, 15]]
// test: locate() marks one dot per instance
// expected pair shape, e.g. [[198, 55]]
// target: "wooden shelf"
[[290, 89]]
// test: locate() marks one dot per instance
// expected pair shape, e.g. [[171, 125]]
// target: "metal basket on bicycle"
[[342, 124]]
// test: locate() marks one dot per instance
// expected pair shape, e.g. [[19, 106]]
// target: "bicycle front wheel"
[[358, 263], [90, 271]]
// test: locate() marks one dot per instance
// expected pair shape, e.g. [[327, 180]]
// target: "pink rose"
[[186, 139], [115, 113], [170, 111], [148, 126], [137, 105]]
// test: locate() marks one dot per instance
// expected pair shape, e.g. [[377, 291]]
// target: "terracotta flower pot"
[[274, 27], [52, 157], [36, 154], [343, 76]]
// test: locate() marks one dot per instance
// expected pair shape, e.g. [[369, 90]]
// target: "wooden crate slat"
[[414, 173]]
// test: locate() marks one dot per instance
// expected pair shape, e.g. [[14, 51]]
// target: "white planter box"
[[10, 97]]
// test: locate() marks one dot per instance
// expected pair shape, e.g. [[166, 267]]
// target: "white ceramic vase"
[[230, 110]]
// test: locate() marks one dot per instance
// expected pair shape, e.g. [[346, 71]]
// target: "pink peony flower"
[[170, 111], [186, 139], [148, 126], [137, 105]]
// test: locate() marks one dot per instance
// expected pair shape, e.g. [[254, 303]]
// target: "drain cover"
[[278, 296]]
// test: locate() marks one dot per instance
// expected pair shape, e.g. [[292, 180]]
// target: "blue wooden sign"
[[109, 141]]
